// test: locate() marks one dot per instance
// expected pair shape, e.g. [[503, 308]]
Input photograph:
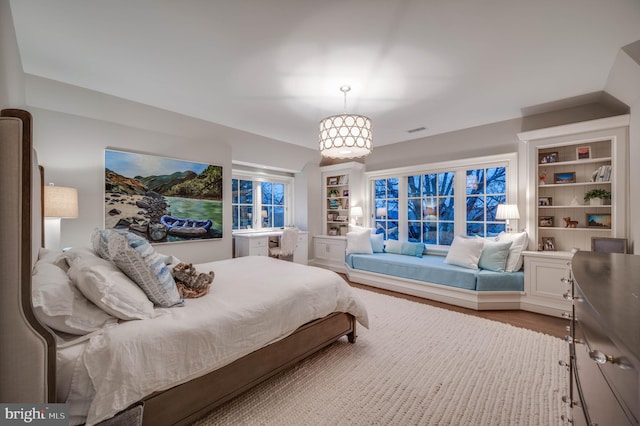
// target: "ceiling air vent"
[[417, 129]]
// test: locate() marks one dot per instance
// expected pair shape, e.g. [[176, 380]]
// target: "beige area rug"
[[417, 365]]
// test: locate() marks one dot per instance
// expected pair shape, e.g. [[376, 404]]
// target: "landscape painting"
[[162, 199]]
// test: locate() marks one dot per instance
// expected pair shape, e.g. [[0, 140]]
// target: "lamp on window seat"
[[356, 212], [507, 212], [59, 203]]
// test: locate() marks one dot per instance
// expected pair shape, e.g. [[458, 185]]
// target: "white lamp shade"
[[356, 211], [60, 201], [507, 211], [381, 212], [346, 136]]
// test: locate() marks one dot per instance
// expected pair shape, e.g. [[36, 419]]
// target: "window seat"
[[431, 278]]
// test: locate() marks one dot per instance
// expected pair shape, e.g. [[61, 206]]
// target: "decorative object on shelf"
[[565, 177], [356, 212], [548, 157], [345, 192], [60, 202], [332, 181], [601, 174], [342, 218], [545, 221], [331, 217], [609, 245], [596, 196], [333, 231], [333, 204], [548, 244], [507, 212], [574, 202], [570, 223], [345, 135], [599, 220], [545, 201], [542, 175], [334, 193], [583, 153]]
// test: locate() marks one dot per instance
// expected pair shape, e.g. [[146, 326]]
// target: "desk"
[[256, 243]]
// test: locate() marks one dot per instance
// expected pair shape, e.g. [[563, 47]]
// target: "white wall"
[[73, 126], [624, 83], [11, 75]]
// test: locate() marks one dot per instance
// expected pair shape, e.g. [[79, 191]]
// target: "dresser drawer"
[[619, 375], [259, 242]]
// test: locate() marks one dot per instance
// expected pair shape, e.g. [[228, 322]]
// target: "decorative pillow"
[[100, 242], [494, 255], [140, 262], [111, 290], [357, 228], [61, 306], [377, 243], [465, 252], [519, 243], [359, 242], [404, 247]]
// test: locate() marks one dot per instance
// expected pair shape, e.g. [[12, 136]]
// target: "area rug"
[[417, 365]]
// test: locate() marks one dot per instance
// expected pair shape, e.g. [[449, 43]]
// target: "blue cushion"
[[405, 248], [494, 255], [377, 243]]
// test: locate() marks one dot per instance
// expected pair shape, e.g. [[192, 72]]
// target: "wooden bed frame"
[[31, 345]]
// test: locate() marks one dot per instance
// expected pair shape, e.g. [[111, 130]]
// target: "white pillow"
[[519, 242], [465, 252], [110, 289], [61, 306], [359, 242]]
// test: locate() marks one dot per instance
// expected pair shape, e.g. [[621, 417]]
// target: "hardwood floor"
[[537, 322]]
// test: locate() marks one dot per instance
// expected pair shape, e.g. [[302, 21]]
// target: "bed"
[[260, 316]]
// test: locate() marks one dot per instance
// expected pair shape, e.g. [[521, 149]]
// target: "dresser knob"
[[567, 296], [569, 401], [570, 340], [602, 358], [566, 315], [566, 419]]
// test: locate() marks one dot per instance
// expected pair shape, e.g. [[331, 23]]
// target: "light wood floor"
[[537, 322]]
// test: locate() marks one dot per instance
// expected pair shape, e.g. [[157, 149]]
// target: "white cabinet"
[[329, 252], [544, 273], [257, 244], [564, 163], [342, 188]]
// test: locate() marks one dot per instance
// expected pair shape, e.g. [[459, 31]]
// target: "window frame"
[[257, 178], [460, 167]]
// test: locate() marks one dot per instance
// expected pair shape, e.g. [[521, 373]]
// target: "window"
[[261, 201], [433, 203], [485, 189], [431, 208], [386, 207]]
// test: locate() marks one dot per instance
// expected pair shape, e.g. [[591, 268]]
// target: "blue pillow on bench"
[[406, 248], [494, 255]]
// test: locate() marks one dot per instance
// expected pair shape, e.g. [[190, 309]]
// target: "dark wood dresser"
[[604, 339]]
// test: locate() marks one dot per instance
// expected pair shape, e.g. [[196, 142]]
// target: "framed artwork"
[[583, 152], [332, 181], [548, 244], [545, 201], [545, 221], [345, 192], [342, 218], [333, 231], [162, 199], [566, 177], [609, 245], [599, 220], [548, 157]]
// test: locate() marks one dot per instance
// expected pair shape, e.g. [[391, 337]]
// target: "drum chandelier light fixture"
[[345, 136]]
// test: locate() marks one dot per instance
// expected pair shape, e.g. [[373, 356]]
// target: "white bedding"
[[253, 301]]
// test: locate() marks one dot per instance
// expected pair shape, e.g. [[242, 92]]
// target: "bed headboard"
[[27, 348]]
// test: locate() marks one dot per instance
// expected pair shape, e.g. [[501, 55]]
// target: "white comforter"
[[253, 301]]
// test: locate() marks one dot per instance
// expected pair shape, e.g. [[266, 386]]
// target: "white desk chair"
[[288, 242]]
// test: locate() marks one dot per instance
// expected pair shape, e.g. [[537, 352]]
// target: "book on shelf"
[[601, 174]]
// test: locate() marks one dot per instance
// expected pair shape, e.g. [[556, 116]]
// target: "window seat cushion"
[[433, 269]]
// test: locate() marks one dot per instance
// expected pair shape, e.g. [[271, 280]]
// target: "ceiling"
[[274, 67]]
